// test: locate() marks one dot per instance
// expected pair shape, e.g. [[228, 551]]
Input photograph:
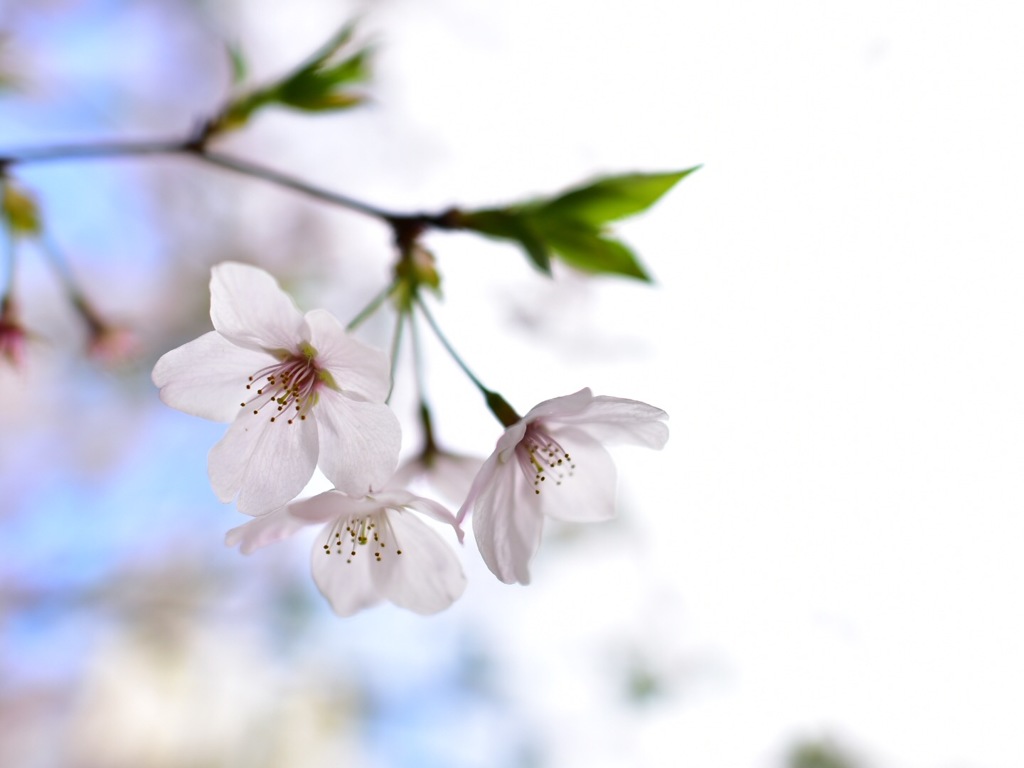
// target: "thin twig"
[[401, 223]]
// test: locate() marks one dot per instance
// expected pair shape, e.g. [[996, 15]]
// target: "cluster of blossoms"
[[300, 393]]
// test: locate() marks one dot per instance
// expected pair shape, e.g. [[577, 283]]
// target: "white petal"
[[582, 490], [264, 530], [392, 497], [356, 368], [345, 581], [359, 442], [617, 420], [508, 441], [207, 376], [559, 406], [427, 577], [507, 524], [432, 509], [249, 308], [480, 482], [266, 463], [332, 505]]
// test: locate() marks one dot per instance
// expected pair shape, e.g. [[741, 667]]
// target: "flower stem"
[[426, 421], [67, 279], [504, 412], [58, 262], [447, 345], [396, 343], [9, 256], [370, 308], [417, 361]]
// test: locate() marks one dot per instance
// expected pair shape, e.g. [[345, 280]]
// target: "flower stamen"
[[292, 382], [347, 535], [541, 456]]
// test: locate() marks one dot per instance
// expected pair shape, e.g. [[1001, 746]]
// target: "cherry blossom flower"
[[371, 548], [551, 463], [297, 389]]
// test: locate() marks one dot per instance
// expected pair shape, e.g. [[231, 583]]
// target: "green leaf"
[[612, 197], [510, 224], [327, 50], [590, 250], [354, 69], [571, 226], [315, 85], [318, 89]]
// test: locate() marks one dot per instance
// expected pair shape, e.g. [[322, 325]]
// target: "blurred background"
[[821, 570]]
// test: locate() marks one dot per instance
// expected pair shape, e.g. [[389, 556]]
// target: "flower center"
[[349, 535], [289, 387], [541, 457]]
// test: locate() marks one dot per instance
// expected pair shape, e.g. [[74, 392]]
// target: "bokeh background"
[[821, 570]]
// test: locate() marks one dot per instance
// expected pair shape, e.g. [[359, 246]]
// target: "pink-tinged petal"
[[480, 482], [427, 576], [355, 367], [249, 308], [359, 442], [264, 530], [507, 524], [344, 580], [333, 505], [266, 463], [391, 496], [560, 406], [509, 439], [617, 420], [582, 489], [433, 509], [207, 376]]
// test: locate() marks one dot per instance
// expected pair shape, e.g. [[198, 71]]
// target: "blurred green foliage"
[[819, 753], [320, 84]]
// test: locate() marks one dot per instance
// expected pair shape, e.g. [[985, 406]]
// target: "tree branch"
[[402, 224]]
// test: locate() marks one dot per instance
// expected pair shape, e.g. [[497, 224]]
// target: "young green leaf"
[[590, 250], [327, 50], [511, 224], [571, 226], [612, 197], [317, 84]]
